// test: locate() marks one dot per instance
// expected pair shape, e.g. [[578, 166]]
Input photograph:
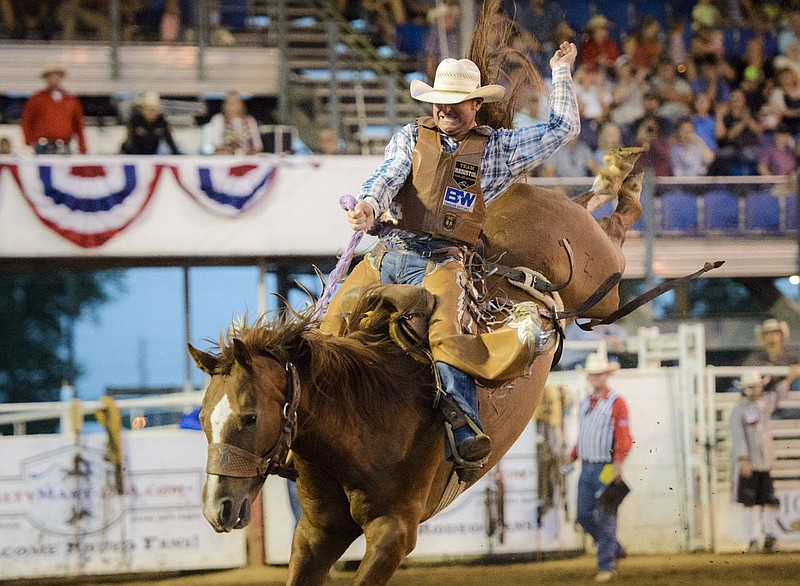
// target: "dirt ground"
[[666, 570]]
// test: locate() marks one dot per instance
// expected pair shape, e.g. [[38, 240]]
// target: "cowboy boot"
[[467, 442]]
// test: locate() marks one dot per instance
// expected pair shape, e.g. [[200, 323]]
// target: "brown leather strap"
[[649, 296]]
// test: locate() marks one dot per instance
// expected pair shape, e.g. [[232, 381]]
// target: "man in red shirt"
[[52, 117], [604, 440]]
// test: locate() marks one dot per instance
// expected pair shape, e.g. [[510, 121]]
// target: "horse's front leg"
[[315, 549], [390, 538]]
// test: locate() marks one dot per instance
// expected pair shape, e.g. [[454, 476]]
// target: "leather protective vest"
[[443, 195]]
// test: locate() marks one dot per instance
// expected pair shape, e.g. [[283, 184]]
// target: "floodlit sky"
[[138, 340]]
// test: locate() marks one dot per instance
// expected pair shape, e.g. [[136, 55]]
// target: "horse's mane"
[[357, 375]]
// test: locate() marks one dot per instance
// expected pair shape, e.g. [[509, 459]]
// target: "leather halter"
[[229, 460]]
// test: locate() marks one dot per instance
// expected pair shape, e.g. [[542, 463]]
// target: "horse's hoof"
[[475, 448]]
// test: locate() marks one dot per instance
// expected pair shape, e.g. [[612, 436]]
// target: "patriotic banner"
[[227, 186], [88, 203]]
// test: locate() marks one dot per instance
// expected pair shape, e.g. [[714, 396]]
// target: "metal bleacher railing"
[[750, 220]]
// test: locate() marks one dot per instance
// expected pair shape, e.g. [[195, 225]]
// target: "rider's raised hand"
[[566, 53], [362, 216]]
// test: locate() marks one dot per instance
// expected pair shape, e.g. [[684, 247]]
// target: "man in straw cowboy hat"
[[52, 117], [751, 452], [438, 176], [604, 440], [773, 336]]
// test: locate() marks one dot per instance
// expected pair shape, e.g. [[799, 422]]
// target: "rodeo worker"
[[604, 441], [751, 451], [439, 176]]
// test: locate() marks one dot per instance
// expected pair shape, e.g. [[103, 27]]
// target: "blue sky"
[[138, 339]]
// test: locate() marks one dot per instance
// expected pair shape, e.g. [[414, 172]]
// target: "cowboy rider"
[[438, 176]]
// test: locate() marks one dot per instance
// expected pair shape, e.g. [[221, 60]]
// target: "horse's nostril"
[[226, 511]]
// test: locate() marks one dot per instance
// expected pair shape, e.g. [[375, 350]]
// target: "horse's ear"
[[206, 362], [242, 354]]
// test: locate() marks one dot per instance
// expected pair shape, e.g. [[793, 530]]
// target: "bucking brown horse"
[[357, 410]]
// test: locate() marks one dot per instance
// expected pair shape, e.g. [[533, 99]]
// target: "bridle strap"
[[229, 460]]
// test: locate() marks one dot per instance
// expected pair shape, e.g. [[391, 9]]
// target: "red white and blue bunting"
[[89, 201], [226, 188]]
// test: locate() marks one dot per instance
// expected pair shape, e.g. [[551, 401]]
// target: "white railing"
[[20, 414]]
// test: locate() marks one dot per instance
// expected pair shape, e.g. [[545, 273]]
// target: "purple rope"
[[348, 202]]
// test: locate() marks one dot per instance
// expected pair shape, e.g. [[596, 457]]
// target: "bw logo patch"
[[462, 200], [464, 174]]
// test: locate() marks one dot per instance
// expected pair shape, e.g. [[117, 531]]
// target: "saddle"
[[406, 310]]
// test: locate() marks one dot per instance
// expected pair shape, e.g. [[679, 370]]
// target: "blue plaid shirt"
[[509, 154]]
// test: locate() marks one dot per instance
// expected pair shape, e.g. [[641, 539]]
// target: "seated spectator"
[[788, 60], [785, 98], [673, 91], [790, 33], [147, 128], [676, 44], [594, 101], [780, 157], [652, 105], [689, 156], [739, 138], [704, 121], [233, 131], [753, 88], [656, 156], [707, 79], [628, 95], [52, 118], [5, 146], [89, 14], [598, 50], [705, 14], [608, 138], [574, 159], [170, 25], [645, 48], [753, 61]]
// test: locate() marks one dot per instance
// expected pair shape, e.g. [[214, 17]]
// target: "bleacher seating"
[[762, 212], [720, 211], [790, 212], [678, 212]]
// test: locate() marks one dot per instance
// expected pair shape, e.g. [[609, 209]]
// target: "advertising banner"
[[65, 510]]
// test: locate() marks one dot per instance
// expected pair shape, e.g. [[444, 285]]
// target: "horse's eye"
[[249, 419]]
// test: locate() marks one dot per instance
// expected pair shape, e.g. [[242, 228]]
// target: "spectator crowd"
[[709, 87]]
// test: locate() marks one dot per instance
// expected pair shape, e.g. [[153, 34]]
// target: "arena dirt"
[[668, 570]]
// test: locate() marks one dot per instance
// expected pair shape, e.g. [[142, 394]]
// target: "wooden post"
[[255, 533]]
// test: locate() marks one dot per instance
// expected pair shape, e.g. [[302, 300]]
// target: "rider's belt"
[[436, 253]]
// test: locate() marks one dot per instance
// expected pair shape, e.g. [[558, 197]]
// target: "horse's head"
[[248, 416]]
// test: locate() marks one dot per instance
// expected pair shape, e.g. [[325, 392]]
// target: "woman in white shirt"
[[233, 131]]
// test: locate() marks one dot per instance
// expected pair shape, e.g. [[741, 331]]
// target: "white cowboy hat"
[[456, 81], [151, 99], [749, 378], [49, 68], [772, 325], [597, 363]]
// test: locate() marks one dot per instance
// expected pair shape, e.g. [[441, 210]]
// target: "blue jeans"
[[405, 268], [593, 518]]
